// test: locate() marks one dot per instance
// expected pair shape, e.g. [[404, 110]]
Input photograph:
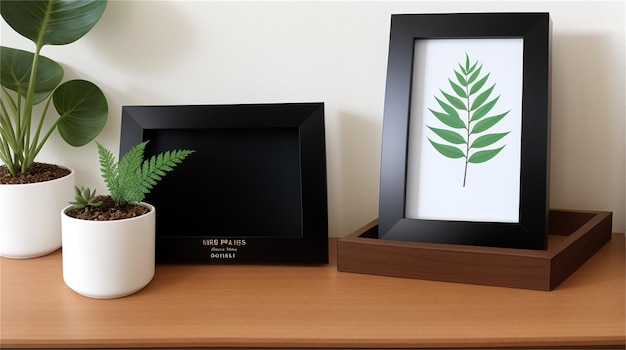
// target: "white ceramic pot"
[[29, 217], [108, 259]]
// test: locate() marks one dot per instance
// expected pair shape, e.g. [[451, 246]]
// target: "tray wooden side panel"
[[585, 233], [447, 263], [581, 245]]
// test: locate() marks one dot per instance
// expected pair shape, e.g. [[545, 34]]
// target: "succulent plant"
[[84, 197]]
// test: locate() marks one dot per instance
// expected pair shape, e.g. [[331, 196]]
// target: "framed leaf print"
[[466, 127]]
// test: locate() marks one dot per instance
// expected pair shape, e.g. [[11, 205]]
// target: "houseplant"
[[109, 241], [30, 199]]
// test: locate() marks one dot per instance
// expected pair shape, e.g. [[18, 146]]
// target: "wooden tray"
[[574, 236]]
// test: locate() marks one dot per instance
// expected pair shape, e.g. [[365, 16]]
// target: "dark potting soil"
[[108, 211], [38, 172]]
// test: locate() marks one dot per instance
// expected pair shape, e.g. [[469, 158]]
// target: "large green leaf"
[[55, 22], [15, 68], [83, 111]]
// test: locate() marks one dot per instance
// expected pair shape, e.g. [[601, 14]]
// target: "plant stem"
[[24, 124], [7, 131], [467, 148], [36, 145], [467, 144], [29, 152]]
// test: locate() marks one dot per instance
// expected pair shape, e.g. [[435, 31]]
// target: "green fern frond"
[[132, 160], [108, 168], [130, 173], [157, 166], [132, 178]]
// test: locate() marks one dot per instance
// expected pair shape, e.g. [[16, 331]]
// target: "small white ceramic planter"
[[108, 259], [30, 225]]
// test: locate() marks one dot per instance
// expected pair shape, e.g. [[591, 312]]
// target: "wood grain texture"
[[311, 306], [574, 237]]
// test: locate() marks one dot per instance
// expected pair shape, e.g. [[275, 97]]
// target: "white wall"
[[205, 52]]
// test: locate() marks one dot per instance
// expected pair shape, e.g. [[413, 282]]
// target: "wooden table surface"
[[311, 306]]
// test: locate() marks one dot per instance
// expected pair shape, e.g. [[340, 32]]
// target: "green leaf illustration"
[[460, 78], [457, 89], [483, 156], [475, 75], [487, 123], [450, 136], [487, 140], [479, 84], [478, 101], [469, 99], [482, 111], [456, 102], [448, 151], [448, 109], [463, 69], [451, 121]]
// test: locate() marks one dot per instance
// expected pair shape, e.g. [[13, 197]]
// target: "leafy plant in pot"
[[31, 193], [109, 241]]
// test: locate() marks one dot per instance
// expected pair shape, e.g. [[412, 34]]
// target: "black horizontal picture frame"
[[528, 228], [255, 189]]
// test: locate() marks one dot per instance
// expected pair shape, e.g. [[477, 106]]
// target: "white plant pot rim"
[[31, 226], [143, 204]]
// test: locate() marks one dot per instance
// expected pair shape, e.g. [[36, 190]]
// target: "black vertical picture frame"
[[530, 230]]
